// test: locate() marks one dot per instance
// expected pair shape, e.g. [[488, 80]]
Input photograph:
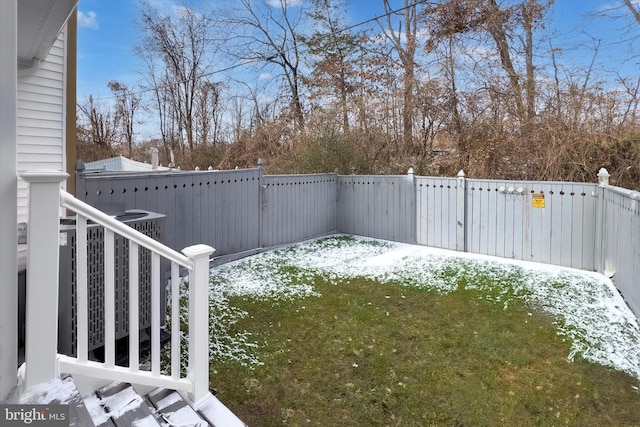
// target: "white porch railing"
[[43, 363]]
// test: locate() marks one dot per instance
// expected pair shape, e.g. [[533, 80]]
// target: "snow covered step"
[[218, 415], [173, 410], [60, 391], [118, 404], [78, 413], [125, 407]]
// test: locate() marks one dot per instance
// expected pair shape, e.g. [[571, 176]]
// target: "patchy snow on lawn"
[[587, 307]]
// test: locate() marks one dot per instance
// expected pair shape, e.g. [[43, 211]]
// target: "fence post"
[[154, 159], [198, 370], [262, 201], [41, 347], [80, 181], [461, 212], [601, 213], [413, 232]]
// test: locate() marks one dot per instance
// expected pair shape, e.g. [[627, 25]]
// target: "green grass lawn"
[[371, 354], [354, 351]]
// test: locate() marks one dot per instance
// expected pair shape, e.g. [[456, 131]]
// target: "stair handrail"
[[42, 362], [99, 217]]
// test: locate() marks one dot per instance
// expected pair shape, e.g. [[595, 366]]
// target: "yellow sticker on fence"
[[537, 200]]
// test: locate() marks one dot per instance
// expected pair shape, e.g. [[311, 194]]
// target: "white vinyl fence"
[[296, 207], [588, 226], [619, 250]]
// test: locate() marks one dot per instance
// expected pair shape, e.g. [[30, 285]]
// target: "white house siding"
[[41, 118]]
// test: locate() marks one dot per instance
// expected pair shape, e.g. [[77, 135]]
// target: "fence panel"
[[217, 208], [622, 242], [436, 208], [377, 206], [496, 218], [557, 228], [297, 207]]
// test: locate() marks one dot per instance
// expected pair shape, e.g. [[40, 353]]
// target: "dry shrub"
[[203, 157], [90, 151], [325, 148], [271, 142]]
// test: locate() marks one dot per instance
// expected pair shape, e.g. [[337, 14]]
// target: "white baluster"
[[82, 298], [155, 313], [134, 308], [175, 321], [109, 301]]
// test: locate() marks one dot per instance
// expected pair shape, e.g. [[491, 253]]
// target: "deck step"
[[173, 410], [118, 405], [61, 391], [125, 406], [79, 415], [218, 415]]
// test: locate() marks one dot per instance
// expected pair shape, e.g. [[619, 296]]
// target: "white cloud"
[[290, 3], [88, 20], [265, 76]]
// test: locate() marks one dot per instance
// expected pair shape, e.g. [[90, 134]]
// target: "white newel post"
[[41, 345], [199, 321]]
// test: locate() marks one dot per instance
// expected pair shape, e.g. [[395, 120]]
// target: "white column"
[[199, 321], [9, 196], [42, 275]]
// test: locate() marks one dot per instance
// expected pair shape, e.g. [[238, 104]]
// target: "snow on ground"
[[588, 308]]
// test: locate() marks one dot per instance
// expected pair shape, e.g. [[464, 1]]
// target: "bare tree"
[[184, 46], [335, 53], [632, 90], [266, 34], [635, 10], [403, 40], [208, 112], [500, 26], [102, 123], [162, 105], [127, 104]]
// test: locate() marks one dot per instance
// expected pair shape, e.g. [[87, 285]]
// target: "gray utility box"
[[148, 223]]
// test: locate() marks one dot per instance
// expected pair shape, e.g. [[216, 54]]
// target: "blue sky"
[[107, 34]]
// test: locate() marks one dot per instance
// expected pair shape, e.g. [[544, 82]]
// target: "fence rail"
[[588, 226]]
